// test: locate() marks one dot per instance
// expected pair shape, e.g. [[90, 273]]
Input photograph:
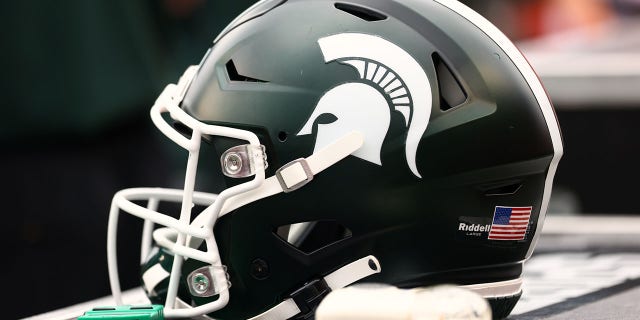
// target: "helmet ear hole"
[[312, 236]]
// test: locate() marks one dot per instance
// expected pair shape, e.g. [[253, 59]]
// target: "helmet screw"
[[200, 283], [232, 163], [259, 269]]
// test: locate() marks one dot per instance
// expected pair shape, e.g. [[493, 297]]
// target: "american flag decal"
[[510, 223]]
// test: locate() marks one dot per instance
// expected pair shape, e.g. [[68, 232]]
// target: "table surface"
[[584, 267]]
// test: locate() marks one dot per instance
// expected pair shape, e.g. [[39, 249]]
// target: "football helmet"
[[403, 142]]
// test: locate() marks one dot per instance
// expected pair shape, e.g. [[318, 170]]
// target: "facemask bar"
[[182, 238], [175, 237]]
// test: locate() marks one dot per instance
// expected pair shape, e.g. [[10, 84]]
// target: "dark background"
[[78, 80], [79, 77]]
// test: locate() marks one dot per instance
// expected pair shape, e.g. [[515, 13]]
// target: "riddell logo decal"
[[474, 227], [391, 80], [508, 226]]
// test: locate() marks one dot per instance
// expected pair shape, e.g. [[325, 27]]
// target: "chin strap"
[[301, 302], [297, 173], [306, 299]]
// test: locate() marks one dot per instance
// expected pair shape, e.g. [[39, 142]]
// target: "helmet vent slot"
[[312, 236], [452, 94], [360, 12], [503, 189], [234, 75]]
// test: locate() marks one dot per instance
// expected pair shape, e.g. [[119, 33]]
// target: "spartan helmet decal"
[[360, 106]]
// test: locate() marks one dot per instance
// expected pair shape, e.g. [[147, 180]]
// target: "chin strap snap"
[[304, 301]]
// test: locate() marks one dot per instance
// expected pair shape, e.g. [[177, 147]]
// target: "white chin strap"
[[183, 236], [302, 301], [306, 299]]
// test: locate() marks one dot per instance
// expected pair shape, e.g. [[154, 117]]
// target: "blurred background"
[[80, 76], [587, 53]]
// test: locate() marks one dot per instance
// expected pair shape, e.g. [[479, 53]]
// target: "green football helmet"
[[403, 142]]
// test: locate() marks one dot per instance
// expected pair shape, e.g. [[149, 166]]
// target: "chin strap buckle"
[[302, 303], [308, 297], [294, 175]]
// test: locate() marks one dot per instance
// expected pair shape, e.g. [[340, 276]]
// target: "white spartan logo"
[[359, 106]]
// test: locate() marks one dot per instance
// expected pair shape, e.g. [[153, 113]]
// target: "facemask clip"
[[241, 161], [202, 281]]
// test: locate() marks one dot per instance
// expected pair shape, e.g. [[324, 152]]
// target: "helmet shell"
[[491, 147]]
